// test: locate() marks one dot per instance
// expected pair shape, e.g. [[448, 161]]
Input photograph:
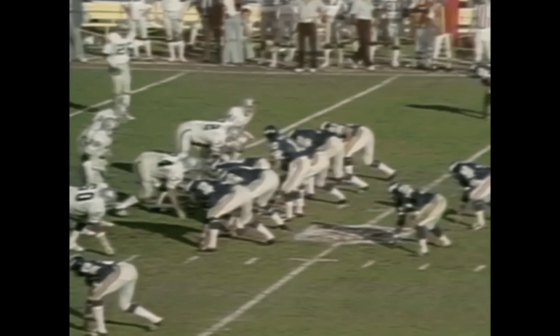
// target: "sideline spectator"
[[76, 18]]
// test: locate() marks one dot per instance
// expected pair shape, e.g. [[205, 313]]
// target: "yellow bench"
[[105, 15]]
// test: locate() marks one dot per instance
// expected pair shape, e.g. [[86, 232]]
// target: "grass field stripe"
[[251, 261], [303, 267], [144, 88], [330, 108], [368, 264]]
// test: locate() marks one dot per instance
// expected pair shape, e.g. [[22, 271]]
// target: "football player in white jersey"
[[88, 205], [137, 11], [94, 145], [391, 12], [239, 117], [213, 137], [116, 52], [157, 170], [173, 16]]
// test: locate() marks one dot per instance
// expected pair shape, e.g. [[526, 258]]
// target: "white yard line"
[[131, 258], [320, 260], [144, 88], [303, 267], [251, 261], [330, 108]]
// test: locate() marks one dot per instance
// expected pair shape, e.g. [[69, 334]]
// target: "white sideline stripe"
[[320, 260], [297, 271], [368, 264], [330, 108], [251, 261], [144, 88]]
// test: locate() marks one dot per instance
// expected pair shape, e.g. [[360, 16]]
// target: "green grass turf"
[[390, 298]]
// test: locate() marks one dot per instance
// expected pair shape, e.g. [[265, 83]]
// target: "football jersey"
[[414, 201], [208, 192], [104, 114], [117, 48], [85, 203], [470, 174], [97, 143], [246, 162], [236, 116], [241, 175], [171, 5], [306, 138], [205, 133], [94, 272], [171, 173]]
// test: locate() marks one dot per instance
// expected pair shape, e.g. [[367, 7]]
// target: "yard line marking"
[[303, 267], [329, 109], [368, 264], [251, 261], [130, 258], [320, 260], [191, 259], [144, 88], [424, 267], [479, 268]]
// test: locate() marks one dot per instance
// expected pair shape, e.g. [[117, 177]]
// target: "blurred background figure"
[[233, 35], [362, 13], [482, 31], [137, 11], [309, 12], [249, 51], [173, 15], [76, 44], [211, 15]]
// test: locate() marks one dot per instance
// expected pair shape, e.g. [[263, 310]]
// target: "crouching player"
[[104, 278], [423, 210], [88, 205], [358, 138], [475, 180], [155, 171], [222, 199]]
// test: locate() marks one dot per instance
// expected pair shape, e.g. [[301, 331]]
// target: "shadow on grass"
[[171, 231], [449, 109], [78, 314]]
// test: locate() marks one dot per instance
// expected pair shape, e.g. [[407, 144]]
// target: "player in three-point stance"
[[212, 137], [156, 171], [475, 180], [420, 209], [238, 117], [88, 205], [222, 199], [104, 278], [358, 138]]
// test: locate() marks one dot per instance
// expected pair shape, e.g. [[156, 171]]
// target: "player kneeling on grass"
[[263, 184], [104, 278], [222, 199], [423, 210], [88, 205], [358, 138], [157, 170], [475, 180], [301, 165]]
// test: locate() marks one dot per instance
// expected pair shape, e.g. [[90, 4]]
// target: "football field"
[[299, 286]]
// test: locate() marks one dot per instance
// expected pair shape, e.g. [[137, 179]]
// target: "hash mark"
[[479, 268], [191, 259], [423, 267], [368, 264], [251, 261]]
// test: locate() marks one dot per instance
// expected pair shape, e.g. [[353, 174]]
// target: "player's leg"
[[143, 32], [394, 36], [126, 91], [435, 217], [246, 218], [419, 46], [478, 45], [168, 19], [178, 36], [296, 174], [368, 157], [336, 151], [320, 170], [486, 41], [477, 198], [264, 189], [110, 284]]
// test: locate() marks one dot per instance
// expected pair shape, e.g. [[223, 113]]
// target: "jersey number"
[[85, 194], [466, 172], [209, 127]]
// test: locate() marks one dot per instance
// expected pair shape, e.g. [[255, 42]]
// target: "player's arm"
[[108, 51], [171, 186]]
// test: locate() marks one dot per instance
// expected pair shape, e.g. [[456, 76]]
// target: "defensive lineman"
[[88, 205], [104, 278], [156, 170], [475, 180], [116, 52], [421, 209], [173, 16]]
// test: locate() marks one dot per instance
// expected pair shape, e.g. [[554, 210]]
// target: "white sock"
[[372, 53], [299, 205], [161, 198], [396, 54], [274, 57], [291, 53], [444, 240], [143, 312], [349, 170], [310, 187], [340, 53], [181, 47], [480, 217], [98, 315], [130, 201], [289, 209], [337, 194], [277, 219], [358, 182], [384, 168], [148, 46], [327, 57], [135, 49], [213, 238], [264, 231], [74, 237], [423, 244], [171, 47]]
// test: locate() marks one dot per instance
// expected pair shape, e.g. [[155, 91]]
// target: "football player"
[[104, 278], [157, 171], [475, 180], [221, 199], [239, 117], [212, 137], [94, 145], [263, 184], [304, 167], [420, 209], [358, 138], [483, 71], [326, 142], [88, 205], [116, 52]]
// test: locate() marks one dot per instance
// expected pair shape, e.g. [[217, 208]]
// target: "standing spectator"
[[137, 12], [249, 54], [482, 31], [173, 16], [76, 18], [233, 35], [211, 14], [309, 11], [362, 12]]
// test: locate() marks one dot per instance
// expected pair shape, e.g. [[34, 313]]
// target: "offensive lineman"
[[212, 137], [221, 199], [423, 210], [104, 278], [88, 205], [116, 52], [475, 180], [173, 16], [156, 170], [358, 138]]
